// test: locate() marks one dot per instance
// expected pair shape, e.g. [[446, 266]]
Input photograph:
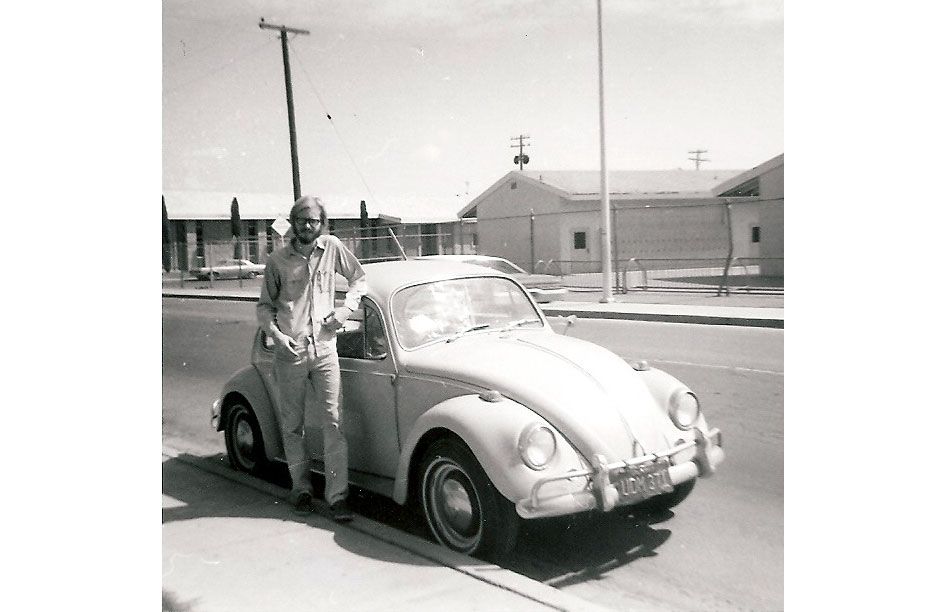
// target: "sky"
[[405, 98]]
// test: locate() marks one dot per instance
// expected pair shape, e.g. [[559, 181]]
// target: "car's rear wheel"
[[243, 441], [463, 509]]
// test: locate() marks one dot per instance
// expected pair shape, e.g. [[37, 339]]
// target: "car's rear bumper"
[[215, 415], [601, 493]]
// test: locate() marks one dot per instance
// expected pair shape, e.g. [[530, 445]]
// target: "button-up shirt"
[[299, 291]]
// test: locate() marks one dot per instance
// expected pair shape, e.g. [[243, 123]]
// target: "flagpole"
[[605, 195]]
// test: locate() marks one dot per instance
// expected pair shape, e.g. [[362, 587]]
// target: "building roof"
[[216, 205], [747, 183], [621, 184]]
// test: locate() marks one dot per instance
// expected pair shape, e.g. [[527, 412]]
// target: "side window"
[[376, 347], [349, 340], [363, 337], [755, 234]]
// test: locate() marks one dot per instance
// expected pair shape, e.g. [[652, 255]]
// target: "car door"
[[368, 374]]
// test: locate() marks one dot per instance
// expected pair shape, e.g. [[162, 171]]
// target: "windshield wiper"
[[519, 322], [468, 330]]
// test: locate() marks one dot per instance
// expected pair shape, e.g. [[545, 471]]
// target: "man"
[[296, 310]]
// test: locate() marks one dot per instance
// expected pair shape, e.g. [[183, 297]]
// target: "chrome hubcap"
[[452, 506], [457, 508]]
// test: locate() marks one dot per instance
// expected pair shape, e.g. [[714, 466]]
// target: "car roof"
[[385, 277]]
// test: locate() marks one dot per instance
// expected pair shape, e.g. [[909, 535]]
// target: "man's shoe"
[[340, 512], [303, 503]]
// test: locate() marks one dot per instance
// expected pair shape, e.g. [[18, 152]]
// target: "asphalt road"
[[721, 549]]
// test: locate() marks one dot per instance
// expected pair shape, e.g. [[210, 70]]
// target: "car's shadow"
[[558, 551], [568, 550]]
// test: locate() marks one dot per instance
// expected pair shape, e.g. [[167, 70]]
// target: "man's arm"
[[266, 311], [351, 269]]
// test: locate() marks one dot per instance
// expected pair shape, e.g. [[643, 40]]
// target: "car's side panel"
[[491, 430], [247, 382]]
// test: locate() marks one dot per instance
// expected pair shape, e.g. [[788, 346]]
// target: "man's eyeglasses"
[[311, 222]]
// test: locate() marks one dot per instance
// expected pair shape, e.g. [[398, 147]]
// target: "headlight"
[[683, 408], [537, 446]]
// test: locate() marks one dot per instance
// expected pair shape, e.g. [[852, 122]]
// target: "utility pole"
[[521, 158], [295, 168], [698, 157]]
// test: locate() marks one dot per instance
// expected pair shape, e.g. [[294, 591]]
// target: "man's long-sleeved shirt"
[[298, 291]]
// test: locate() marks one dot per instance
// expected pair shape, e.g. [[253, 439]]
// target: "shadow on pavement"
[[198, 494], [564, 551]]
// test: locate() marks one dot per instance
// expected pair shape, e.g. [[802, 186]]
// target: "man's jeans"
[[299, 425]]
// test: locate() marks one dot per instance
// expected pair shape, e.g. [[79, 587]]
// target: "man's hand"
[[336, 319], [285, 341]]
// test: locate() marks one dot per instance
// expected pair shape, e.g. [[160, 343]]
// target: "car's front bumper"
[[599, 490]]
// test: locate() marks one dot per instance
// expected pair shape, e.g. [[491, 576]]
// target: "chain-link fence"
[[737, 274]]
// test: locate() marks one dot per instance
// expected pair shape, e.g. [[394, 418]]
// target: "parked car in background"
[[460, 399], [229, 268], [543, 287]]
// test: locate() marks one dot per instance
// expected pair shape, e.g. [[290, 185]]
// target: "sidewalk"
[[231, 542], [751, 310]]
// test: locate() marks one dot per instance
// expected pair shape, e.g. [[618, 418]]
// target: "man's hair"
[[304, 202]]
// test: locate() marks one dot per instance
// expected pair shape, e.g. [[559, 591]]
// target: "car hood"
[[592, 396]]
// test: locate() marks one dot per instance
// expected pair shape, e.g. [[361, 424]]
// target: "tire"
[[214, 276], [666, 501], [463, 509], [243, 441]]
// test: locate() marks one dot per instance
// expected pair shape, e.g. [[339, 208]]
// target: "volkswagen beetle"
[[460, 398]]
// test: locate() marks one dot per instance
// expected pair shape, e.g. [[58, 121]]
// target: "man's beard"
[[306, 237]]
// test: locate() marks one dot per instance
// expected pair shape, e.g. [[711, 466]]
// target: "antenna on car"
[[398, 244]]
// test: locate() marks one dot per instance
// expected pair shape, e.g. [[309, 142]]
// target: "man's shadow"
[[197, 495]]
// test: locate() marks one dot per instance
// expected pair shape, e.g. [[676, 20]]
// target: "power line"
[[202, 77], [339, 135]]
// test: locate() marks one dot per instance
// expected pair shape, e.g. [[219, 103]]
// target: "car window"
[[425, 313], [363, 336]]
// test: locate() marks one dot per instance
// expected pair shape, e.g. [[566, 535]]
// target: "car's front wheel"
[[243, 441], [463, 509]]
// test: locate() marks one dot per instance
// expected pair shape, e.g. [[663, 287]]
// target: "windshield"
[[451, 308]]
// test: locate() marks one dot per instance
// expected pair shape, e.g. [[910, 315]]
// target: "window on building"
[[755, 234], [580, 240], [200, 243], [512, 185]]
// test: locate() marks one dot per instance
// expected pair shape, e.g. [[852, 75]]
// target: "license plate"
[[643, 481]]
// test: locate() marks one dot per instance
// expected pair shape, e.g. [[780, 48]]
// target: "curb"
[[492, 575]]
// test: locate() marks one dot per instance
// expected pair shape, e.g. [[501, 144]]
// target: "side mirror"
[[569, 321]]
